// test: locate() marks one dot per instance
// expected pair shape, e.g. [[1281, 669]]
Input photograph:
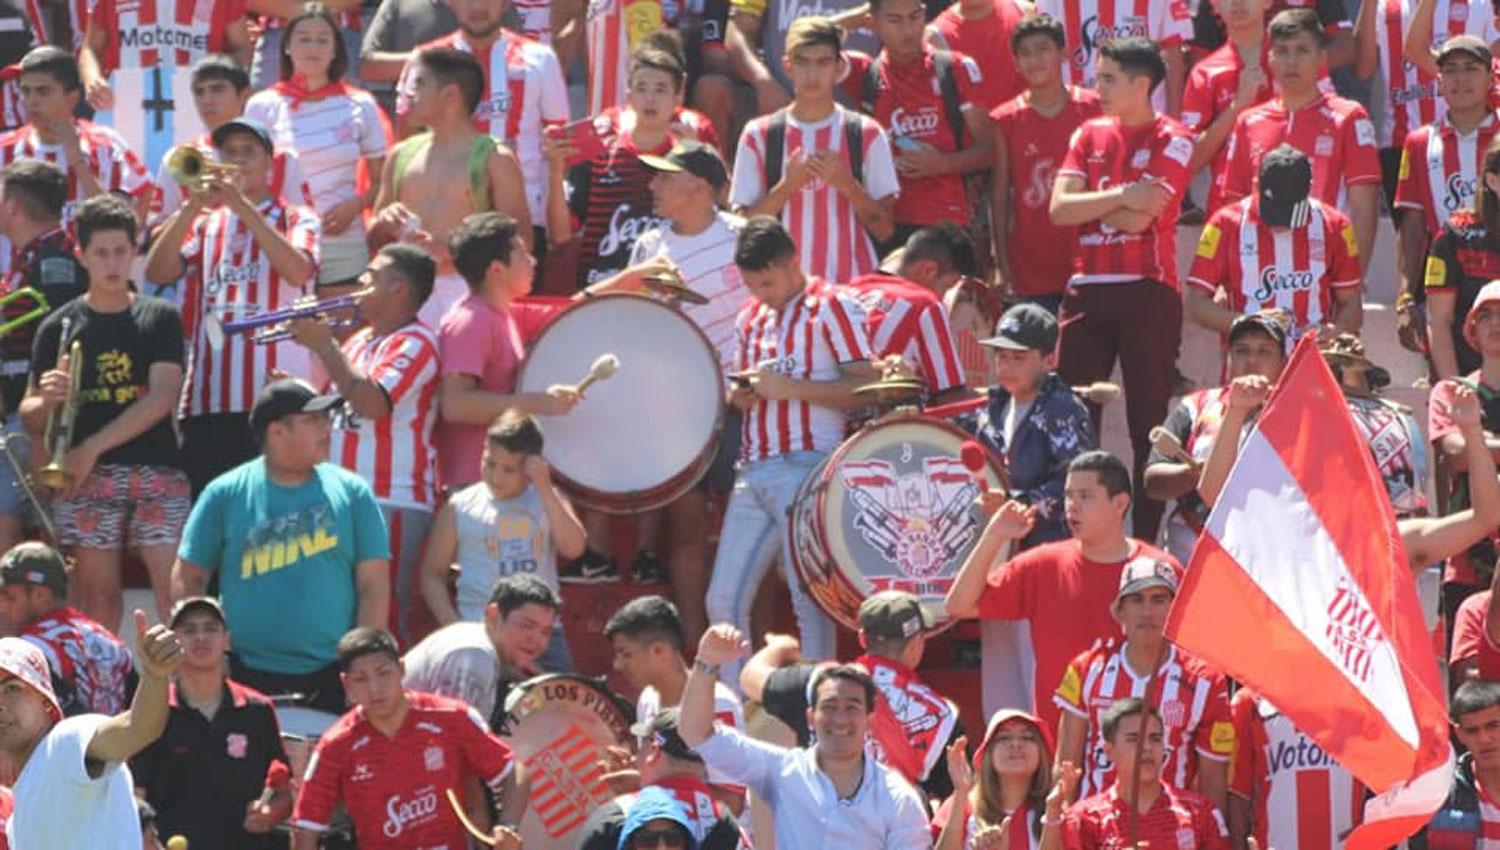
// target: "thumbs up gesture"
[[158, 652]]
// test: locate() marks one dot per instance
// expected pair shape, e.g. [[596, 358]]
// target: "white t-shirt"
[[707, 263], [60, 807]]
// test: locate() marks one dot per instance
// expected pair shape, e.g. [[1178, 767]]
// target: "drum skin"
[[893, 508], [643, 437], [558, 725]]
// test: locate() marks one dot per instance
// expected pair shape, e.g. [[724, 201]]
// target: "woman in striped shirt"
[[337, 130]]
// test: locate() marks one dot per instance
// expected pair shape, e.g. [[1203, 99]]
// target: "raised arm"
[[1246, 395], [1431, 539], [719, 645], [780, 651], [158, 655], [1010, 523]]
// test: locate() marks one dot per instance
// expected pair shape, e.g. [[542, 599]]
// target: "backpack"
[[479, 157], [776, 145]]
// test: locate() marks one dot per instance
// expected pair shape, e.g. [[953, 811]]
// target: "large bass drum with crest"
[[893, 508]]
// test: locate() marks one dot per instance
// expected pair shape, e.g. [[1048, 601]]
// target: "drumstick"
[[1099, 392], [1167, 443], [463, 818], [604, 367], [972, 456]]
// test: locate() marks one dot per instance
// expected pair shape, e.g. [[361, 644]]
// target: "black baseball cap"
[[282, 398], [1025, 327], [35, 563], [1258, 323], [244, 125], [1285, 182], [187, 606], [693, 158], [663, 728]]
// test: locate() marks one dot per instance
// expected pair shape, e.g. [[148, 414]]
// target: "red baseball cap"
[[998, 719], [21, 659]]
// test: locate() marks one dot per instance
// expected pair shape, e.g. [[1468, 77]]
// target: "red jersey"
[[903, 318], [170, 33], [109, 157], [1470, 640], [699, 802], [1302, 799], [1180, 819], [1105, 153], [832, 242], [909, 103], [1440, 169], [395, 454], [395, 788], [610, 199], [228, 273], [686, 124], [1087, 24], [1295, 269], [1040, 252], [1192, 699], [532, 96], [986, 41], [1411, 95], [1065, 599], [85, 655], [911, 723], [808, 339], [1210, 89], [1335, 134]]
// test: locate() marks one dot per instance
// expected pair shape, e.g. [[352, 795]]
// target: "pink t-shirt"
[[477, 339]]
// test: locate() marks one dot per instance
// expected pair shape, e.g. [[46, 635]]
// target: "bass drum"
[[558, 725], [893, 508], [643, 437], [300, 730]]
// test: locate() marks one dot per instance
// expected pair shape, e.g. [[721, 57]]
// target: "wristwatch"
[[706, 668]]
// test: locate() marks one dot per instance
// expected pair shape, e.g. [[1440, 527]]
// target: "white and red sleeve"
[[322, 787], [844, 329], [487, 756], [939, 353], [554, 99], [305, 231], [407, 362]]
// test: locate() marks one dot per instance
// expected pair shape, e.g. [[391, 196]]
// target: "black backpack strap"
[[947, 71], [775, 148], [854, 143], [869, 88]]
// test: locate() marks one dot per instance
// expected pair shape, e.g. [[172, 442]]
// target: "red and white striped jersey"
[[534, 95], [176, 33], [706, 261], [614, 28], [1295, 269], [903, 318], [536, 19], [287, 182], [229, 274], [395, 454], [109, 157], [1302, 799], [1335, 135], [11, 116], [1411, 95], [1440, 169], [807, 340], [1088, 24], [1105, 153], [833, 243], [1192, 699], [78, 21]]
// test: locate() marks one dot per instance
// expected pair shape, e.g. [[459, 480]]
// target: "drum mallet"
[[605, 366], [177, 842], [1099, 392], [1169, 446]]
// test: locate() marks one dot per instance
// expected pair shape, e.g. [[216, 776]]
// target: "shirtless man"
[[433, 180]]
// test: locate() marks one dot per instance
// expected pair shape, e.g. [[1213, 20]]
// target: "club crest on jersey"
[[1173, 712], [236, 745], [915, 515], [1186, 840], [1140, 158], [432, 758], [1323, 146]]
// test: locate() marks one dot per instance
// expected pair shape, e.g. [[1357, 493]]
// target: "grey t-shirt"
[[459, 661]]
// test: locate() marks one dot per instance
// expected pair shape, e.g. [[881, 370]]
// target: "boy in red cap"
[[73, 789]]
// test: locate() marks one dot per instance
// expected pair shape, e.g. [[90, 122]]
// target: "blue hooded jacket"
[[651, 804]]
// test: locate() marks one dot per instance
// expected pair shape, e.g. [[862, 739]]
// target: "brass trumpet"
[[59, 437], [188, 166]]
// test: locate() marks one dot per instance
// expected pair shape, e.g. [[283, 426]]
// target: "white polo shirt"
[[884, 814]]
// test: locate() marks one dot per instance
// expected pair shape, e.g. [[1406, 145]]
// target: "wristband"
[[706, 668], [1051, 820]]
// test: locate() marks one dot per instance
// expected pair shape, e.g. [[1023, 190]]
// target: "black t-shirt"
[[785, 698], [47, 265], [1462, 259], [610, 199], [602, 830], [119, 350]]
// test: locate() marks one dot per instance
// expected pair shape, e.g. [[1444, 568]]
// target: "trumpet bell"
[[185, 164], [54, 478]]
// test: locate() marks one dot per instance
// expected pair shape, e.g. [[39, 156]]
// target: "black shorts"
[[321, 689]]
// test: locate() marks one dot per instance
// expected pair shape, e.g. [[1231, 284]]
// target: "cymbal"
[[671, 287], [892, 390]]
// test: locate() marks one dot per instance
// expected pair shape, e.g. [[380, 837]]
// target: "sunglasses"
[[658, 838]]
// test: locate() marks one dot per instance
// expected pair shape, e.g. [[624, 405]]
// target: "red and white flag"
[[1299, 588]]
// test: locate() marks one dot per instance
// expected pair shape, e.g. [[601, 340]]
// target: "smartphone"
[[741, 380], [585, 138]]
